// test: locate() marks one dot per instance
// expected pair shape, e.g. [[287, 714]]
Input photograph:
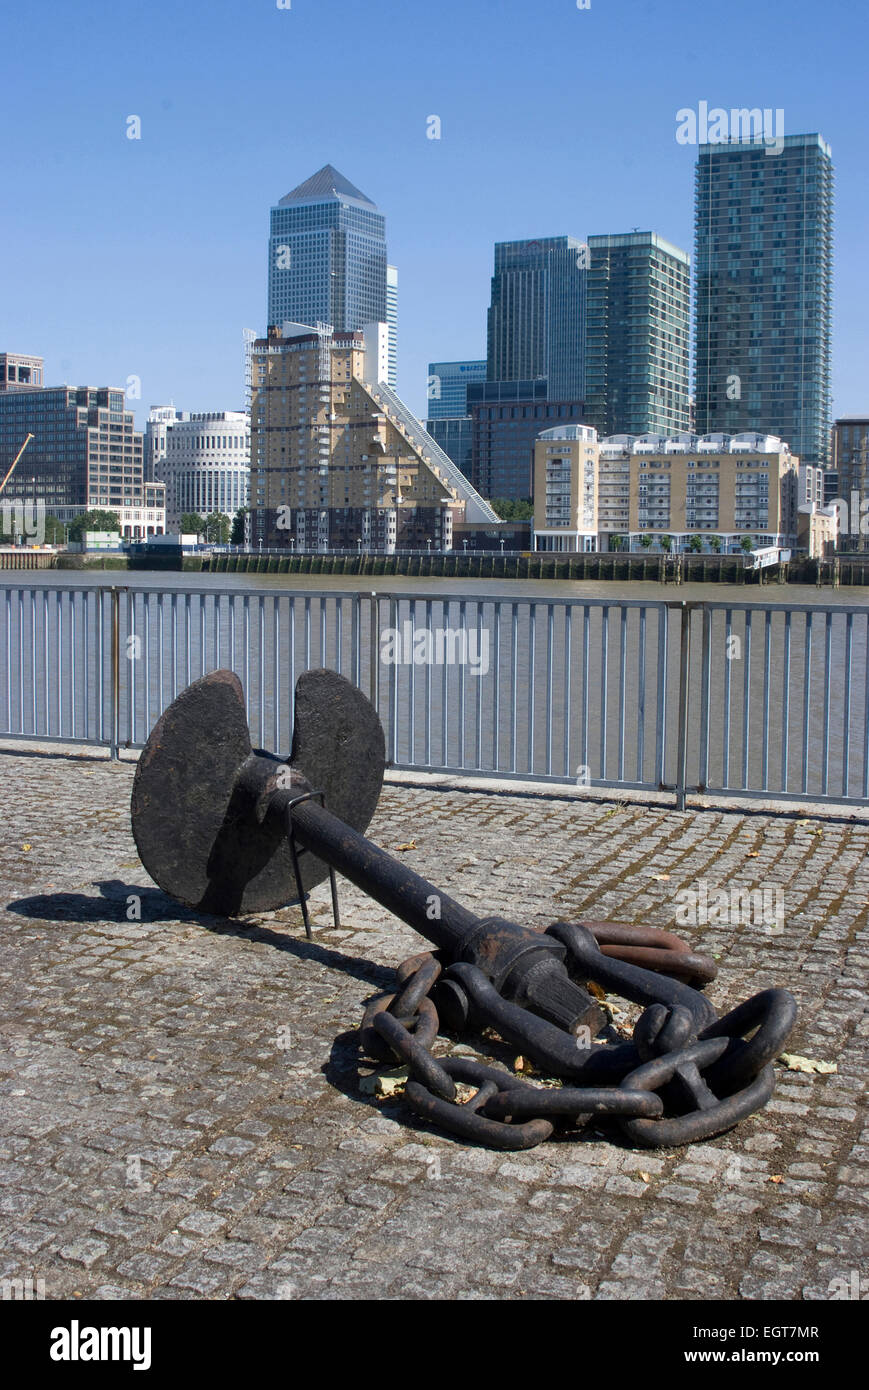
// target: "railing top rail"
[[440, 595]]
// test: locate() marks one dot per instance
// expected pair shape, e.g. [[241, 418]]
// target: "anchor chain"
[[685, 1075]]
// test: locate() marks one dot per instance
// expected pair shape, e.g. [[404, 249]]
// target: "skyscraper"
[[638, 333], [392, 322], [536, 325], [327, 256], [764, 227]]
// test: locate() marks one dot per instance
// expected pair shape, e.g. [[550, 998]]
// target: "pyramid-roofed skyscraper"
[[327, 256]]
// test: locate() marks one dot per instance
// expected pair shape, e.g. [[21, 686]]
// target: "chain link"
[[674, 1083]]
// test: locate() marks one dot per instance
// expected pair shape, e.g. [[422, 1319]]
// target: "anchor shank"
[[524, 965]]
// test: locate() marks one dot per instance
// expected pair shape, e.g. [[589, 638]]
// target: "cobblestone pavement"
[[181, 1112]]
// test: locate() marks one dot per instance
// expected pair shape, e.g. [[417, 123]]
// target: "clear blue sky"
[[148, 257]]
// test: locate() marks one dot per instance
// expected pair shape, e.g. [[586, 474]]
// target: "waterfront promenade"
[[181, 1110]]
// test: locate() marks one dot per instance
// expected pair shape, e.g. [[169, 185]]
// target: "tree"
[[192, 524], [715, 543], [236, 535], [645, 541], [216, 528], [513, 508], [667, 543], [695, 543], [96, 520], [54, 531], [616, 542], [747, 544]]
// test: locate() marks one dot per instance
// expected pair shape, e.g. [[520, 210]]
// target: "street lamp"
[[465, 544], [502, 544]]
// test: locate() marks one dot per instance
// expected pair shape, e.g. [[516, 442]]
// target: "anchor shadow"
[[342, 1069], [156, 907]]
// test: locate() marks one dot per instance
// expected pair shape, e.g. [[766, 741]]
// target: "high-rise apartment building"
[[638, 335], [536, 322], [337, 459], [327, 257], [763, 267]]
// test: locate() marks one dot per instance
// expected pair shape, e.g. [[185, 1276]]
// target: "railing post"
[[116, 673], [374, 650], [684, 674]]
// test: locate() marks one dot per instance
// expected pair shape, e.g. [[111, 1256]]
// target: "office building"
[[327, 257], [19, 372], [337, 460], [160, 418], [536, 320], [449, 420], [85, 454], [851, 470], [507, 417], [763, 265], [637, 337], [203, 458], [447, 388]]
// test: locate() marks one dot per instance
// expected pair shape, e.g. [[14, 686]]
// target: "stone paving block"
[[156, 1141]]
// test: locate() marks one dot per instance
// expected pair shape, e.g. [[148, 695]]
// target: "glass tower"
[[327, 256], [536, 325], [638, 335], [764, 233]]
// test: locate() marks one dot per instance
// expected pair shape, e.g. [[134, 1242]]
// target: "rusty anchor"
[[230, 829]]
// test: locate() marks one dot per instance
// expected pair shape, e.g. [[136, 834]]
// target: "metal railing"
[[729, 699]]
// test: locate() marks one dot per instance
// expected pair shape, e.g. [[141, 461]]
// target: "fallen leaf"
[[595, 990], [662, 878], [646, 1177], [386, 1083], [794, 1062], [26, 848], [776, 1177], [411, 844], [753, 854], [522, 1064]]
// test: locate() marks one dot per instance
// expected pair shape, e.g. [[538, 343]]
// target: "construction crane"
[[15, 462]]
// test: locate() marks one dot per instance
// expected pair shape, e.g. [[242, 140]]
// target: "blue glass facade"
[[536, 323], [639, 328], [327, 256], [448, 387]]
